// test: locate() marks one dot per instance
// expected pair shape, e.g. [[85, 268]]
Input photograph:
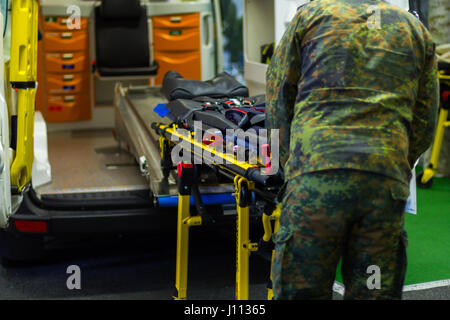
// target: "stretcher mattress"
[[221, 103], [212, 105]]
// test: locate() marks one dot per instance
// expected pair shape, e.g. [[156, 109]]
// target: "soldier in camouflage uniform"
[[355, 102]]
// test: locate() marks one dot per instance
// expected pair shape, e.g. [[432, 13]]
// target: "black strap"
[[23, 84]]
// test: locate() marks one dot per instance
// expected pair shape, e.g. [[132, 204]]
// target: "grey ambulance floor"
[[89, 161], [144, 268]]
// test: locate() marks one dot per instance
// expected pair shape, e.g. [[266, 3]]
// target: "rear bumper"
[[83, 217], [91, 219], [95, 219]]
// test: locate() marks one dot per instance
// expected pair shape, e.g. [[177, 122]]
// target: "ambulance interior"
[[78, 71], [93, 138]]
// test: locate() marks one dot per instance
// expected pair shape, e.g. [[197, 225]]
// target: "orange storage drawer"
[[62, 108], [188, 64], [176, 39], [191, 20], [60, 24], [67, 83], [66, 62], [66, 41]]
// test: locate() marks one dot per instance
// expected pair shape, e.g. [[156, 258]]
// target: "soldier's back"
[[361, 62]]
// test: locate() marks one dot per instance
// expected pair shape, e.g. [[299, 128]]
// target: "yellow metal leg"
[[243, 245], [270, 290], [21, 167], [182, 248], [184, 222], [242, 254], [268, 230], [437, 144]]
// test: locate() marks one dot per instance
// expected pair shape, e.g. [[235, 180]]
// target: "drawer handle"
[[64, 22], [175, 32], [68, 66], [68, 77], [175, 19], [66, 35], [69, 99], [67, 56], [178, 61], [50, 19], [66, 88]]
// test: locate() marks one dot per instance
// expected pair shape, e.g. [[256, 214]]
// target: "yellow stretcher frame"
[[244, 247], [23, 71], [425, 180]]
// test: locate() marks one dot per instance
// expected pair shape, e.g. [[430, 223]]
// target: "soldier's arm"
[[425, 109], [282, 79]]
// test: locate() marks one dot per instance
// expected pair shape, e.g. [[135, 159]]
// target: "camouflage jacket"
[[353, 84]]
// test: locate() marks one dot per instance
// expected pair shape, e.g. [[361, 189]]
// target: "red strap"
[[445, 95], [181, 166], [242, 111], [265, 152]]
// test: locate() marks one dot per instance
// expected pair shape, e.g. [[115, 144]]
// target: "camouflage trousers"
[[353, 216]]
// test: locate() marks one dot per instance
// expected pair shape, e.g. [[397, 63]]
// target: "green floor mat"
[[429, 235]]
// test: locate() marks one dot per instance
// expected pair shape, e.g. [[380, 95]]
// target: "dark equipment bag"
[[223, 86]]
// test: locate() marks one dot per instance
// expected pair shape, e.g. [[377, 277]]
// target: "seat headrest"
[[120, 9]]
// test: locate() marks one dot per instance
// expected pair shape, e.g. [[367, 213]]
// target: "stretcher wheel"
[[422, 185]]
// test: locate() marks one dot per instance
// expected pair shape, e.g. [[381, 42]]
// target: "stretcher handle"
[[267, 227], [256, 175], [271, 213]]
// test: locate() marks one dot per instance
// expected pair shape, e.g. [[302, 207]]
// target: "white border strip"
[[339, 287], [427, 285]]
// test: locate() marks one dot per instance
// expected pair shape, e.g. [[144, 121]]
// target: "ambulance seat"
[[122, 40]]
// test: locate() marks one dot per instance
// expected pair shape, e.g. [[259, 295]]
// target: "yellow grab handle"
[[267, 227], [22, 164], [23, 69]]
